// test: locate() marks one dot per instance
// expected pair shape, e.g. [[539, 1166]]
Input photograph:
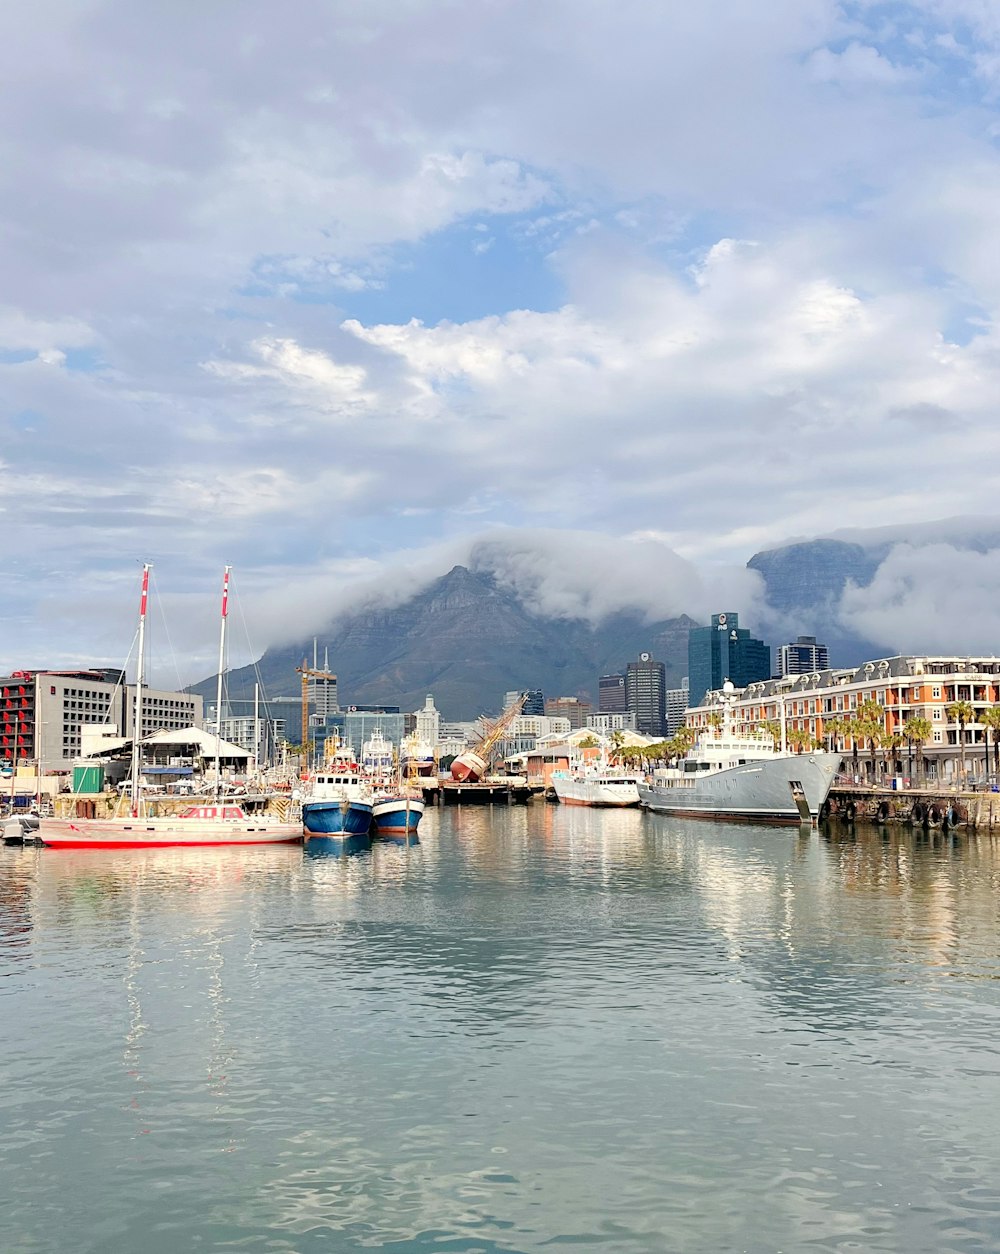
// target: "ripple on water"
[[540, 1027]]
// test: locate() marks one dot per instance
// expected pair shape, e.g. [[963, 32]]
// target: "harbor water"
[[541, 1028]]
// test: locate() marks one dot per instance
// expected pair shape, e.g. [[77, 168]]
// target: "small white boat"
[[597, 786]]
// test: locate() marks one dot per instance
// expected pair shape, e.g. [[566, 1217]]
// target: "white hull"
[[761, 791], [167, 831], [580, 791]]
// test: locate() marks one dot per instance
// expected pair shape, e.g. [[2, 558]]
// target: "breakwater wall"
[[916, 807]]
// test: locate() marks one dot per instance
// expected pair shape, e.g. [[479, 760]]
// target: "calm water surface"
[[543, 1028]]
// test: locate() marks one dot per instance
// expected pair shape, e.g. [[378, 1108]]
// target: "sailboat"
[[195, 825]]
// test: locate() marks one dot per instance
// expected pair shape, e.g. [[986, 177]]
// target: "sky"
[[341, 293]]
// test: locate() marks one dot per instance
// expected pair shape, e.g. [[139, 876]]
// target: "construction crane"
[[471, 766], [307, 673]]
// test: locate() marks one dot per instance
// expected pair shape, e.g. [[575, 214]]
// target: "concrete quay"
[[915, 807]]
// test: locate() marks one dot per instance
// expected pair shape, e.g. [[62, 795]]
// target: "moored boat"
[[193, 826], [397, 816], [598, 786], [742, 777], [337, 809]]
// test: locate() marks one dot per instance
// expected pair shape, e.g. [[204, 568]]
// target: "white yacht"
[[728, 776], [600, 785]]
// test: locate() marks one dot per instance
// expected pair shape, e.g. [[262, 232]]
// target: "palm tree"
[[990, 719], [772, 728], [917, 731], [961, 712], [798, 739], [870, 723], [850, 730], [715, 721], [891, 744], [832, 729]]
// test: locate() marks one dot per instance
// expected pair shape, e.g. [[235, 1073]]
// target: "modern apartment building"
[[646, 694], [802, 656], [573, 708], [43, 712], [677, 702]]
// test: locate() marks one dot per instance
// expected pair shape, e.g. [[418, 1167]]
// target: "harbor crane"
[[309, 672]]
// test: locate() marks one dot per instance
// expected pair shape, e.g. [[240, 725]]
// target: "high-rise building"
[[802, 657], [323, 696], [534, 702], [645, 694], [569, 707], [725, 650], [611, 694], [678, 700]]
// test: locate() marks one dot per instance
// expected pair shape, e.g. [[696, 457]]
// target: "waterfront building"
[[817, 708], [611, 694], [573, 708], [605, 722], [45, 711], [802, 657], [725, 650], [646, 694], [677, 702]]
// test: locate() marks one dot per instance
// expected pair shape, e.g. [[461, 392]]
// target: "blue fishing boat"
[[338, 809], [397, 817]]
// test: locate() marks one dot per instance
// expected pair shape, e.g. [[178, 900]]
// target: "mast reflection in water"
[[541, 1026]]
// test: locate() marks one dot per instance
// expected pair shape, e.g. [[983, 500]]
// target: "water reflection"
[[541, 1026]]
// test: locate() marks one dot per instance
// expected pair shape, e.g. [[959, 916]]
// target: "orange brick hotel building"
[[906, 687]]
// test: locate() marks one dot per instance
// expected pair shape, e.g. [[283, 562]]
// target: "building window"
[[936, 712], [937, 736], [936, 691]]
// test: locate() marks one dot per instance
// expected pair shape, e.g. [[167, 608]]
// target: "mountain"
[[468, 640]]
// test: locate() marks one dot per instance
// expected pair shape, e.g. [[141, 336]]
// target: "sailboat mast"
[[140, 675], [218, 691]]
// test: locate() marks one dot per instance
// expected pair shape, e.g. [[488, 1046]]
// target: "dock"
[[914, 807]]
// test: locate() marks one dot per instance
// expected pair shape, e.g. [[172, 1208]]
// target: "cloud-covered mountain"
[[468, 638], [930, 587]]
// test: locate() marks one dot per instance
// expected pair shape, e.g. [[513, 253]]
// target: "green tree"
[[917, 731], [771, 727], [589, 742], [892, 742], [715, 720], [990, 719], [870, 724], [961, 712]]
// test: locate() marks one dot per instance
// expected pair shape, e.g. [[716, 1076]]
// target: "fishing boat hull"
[[764, 791], [397, 818], [324, 818]]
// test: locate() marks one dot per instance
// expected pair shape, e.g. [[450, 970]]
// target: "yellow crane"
[[307, 673]]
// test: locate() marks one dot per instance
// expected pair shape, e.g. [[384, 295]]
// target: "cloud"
[[933, 598], [728, 280]]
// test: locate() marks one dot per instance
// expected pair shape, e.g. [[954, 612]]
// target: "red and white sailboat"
[[196, 825]]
